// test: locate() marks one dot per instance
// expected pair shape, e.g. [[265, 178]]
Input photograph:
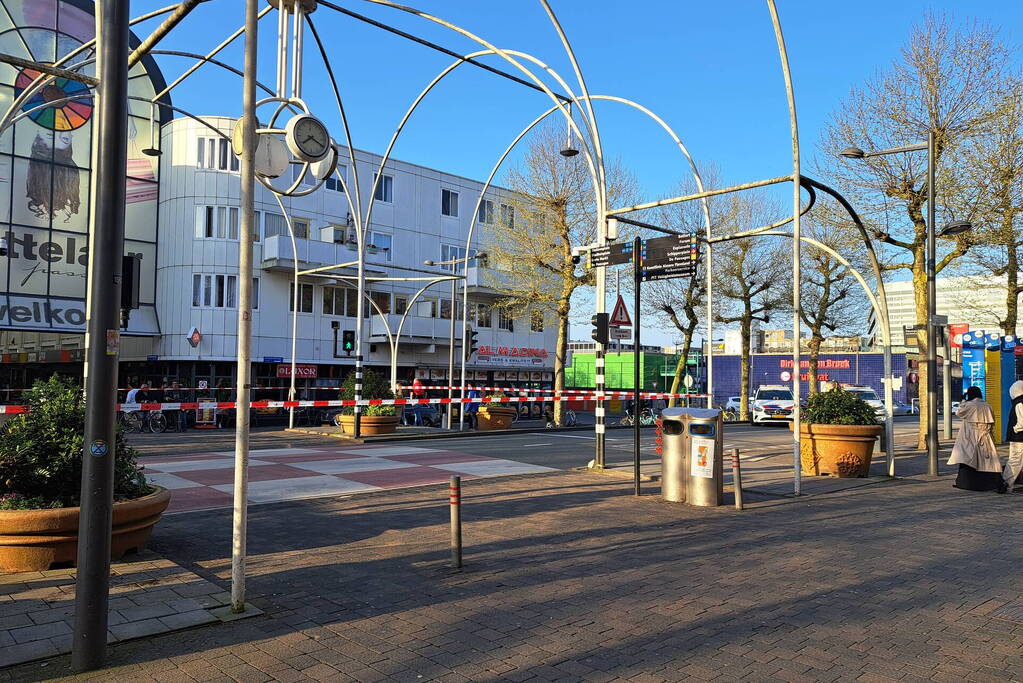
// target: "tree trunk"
[[920, 300], [680, 368], [1012, 289], [745, 366], [560, 352], [814, 348]]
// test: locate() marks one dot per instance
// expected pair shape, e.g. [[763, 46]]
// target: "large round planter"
[[495, 417], [33, 540], [837, 450], [370, 424]]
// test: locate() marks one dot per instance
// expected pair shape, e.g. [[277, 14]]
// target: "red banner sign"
[[301, 370], [512, 351]]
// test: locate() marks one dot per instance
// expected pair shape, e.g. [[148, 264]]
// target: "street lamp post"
[[451, 341], [953, 228]]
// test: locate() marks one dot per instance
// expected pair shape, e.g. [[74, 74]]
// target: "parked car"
[[428, 415], [900, 408], [772, 403], [733, 403], [871, 398]]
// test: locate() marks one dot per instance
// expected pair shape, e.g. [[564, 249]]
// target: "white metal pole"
[[796, 244], [247, 197]]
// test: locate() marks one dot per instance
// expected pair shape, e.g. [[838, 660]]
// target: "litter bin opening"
[[672, 427], [700, 429]]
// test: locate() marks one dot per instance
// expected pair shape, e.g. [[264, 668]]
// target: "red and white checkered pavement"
[[277, 474]]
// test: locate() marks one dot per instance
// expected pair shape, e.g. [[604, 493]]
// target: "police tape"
[[345, 403]]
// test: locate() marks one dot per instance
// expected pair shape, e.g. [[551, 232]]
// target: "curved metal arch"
[[752, 232], [209, 60], [444, 73]]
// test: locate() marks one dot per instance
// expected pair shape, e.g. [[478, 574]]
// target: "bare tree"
[[949, 81], [993, 163], [530, 247], [830, 298], [752, 277]]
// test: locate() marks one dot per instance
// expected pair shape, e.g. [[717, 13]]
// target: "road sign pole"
[[635, 366], [92, 586]]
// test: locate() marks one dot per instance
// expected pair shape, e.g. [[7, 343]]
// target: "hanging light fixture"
[[569, 149], [153, 150]]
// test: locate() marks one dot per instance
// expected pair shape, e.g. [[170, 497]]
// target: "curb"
[[444, 435]]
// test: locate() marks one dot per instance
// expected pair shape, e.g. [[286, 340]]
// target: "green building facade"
[[656, 370]]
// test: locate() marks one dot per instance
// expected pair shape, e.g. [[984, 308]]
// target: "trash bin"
[[673, 456], [705, 449], [691, 468]]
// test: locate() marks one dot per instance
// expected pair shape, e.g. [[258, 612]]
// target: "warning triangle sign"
[[620, 316]]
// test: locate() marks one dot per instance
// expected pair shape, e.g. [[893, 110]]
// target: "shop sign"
[[301, 370], [512, 351], [822, 364]]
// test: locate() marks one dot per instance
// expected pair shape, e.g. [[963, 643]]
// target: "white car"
[[870, 396], [733, 403], [772, 403]]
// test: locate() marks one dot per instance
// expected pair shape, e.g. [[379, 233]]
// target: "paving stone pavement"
[[570, 577], [148, 595]]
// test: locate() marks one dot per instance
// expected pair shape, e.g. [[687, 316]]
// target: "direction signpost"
[[659, 258]]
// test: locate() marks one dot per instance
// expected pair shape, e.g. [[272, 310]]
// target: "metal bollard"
[[455, 498], [736, 479]]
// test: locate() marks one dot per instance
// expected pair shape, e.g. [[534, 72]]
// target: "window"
[[256, 225], [504, 320], [426, 308], [445, 309], [507, 216], [255, 293], [217, 222], [536, 321], [449, 252], [334, 300], [486, 213], [333, 183], [214, 291], [400, 303], [305, 298], [482, 315], [215, 153], [449, 203], [296, 172], [352, 302], [382, 300], [274, 224], [384, 188], [382, 241], [301, 228]]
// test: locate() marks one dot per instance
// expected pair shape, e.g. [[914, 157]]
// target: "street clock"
[[307, 138]]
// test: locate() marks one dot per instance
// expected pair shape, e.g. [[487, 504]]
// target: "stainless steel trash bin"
[[705, 450], [674, 463]]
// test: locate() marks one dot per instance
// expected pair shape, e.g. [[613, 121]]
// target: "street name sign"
[[668, 257], [620, 332], [611, 255]]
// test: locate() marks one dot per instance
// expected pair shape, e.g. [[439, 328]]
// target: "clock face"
[[311, 138]]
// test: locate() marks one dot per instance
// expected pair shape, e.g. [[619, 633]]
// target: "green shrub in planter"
[[838, 407], [373, 386], [41, 451]]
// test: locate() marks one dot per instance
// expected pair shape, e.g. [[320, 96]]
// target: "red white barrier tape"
[[227, 405]]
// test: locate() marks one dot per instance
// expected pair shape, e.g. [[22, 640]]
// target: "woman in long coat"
[[974, 449]]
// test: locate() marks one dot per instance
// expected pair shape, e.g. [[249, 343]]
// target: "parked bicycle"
[[568, 418], [139, 421], [729, 415], [646, 418]]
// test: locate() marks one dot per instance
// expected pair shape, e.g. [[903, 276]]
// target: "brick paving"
[[569, 577], [148, 595]]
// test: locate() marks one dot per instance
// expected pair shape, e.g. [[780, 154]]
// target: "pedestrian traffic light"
[[348, 341], [599, 322], [470, 341]]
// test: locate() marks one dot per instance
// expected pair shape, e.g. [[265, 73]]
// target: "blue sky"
[[710, 70]]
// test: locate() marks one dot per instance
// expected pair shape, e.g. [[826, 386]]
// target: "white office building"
[[977, 301], [419, 214]]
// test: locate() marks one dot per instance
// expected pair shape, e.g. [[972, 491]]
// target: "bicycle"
[[646, 419], [138, 421], [568, 419], [729, 415]]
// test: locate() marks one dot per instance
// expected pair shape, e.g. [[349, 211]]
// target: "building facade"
[[419, 215], [976, 301]]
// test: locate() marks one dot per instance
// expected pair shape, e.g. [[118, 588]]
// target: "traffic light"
[[470, 341], [348, 341], [599, 334]]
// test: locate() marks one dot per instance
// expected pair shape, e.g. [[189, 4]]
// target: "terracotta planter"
[[495, 417], [370, 424], [32, 540], [837, 450]]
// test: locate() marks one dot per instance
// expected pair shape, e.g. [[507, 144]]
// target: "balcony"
[[416, 330], [279, 256]]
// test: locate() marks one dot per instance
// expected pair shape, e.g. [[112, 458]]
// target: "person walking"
[[472, 409], [1012, 475], [974, 449]]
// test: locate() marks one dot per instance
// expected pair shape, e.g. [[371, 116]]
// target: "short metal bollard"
[[736, 479], [455, 499]]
